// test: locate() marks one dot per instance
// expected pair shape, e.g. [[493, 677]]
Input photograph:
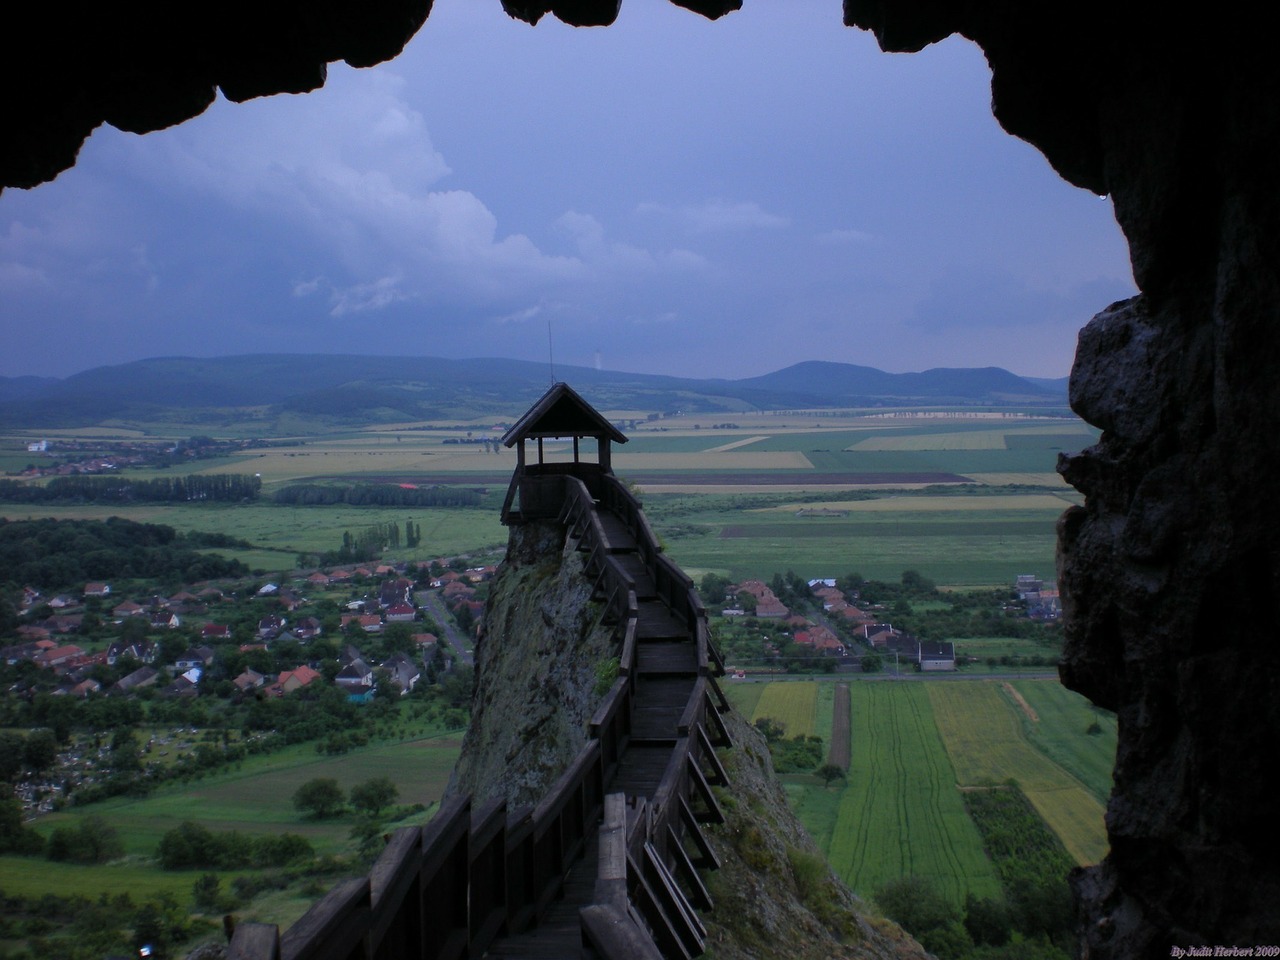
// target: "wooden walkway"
[[667, 670]]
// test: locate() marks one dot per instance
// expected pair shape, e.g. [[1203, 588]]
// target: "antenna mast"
[[551, 357]]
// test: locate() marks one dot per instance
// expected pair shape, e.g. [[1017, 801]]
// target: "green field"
[[1063, 734], [982, 727], [901, 814], [916, 745], [282, 533], [255, 798]]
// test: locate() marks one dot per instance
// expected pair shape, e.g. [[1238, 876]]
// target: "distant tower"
[[598, 365]]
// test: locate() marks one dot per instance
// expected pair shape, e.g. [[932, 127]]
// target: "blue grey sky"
[[666, 195]]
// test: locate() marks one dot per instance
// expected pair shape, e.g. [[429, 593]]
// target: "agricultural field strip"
[[255, 799], [983, 733], [1062, 735], [735, 444], [901, 813], [928, 504], [964, 440], [794, 705]]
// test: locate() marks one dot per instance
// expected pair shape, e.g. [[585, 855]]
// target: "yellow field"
[[1018, 501], [971, 440], [735, 444], [794, 705], [710, 461], [982, 730]]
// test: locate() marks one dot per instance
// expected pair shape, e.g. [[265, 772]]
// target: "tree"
[[319, 798], [12, 750], [367, 831], [770, 729], [829, 772], [916, 905], [207, 892], [41, 750], [374, 796], [872, 663]]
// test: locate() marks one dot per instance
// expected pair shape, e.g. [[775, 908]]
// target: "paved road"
[[430, 601]]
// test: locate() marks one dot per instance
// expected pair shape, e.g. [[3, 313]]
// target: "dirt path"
[[1017, 698], [840, 752]]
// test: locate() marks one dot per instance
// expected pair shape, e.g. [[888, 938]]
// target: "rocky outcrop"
[[1171, 570], [543, 664], [541, 669]]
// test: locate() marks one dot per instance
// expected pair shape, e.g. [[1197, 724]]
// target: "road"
[[429, 600]]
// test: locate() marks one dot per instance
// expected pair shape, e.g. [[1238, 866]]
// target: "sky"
[[666, 195]]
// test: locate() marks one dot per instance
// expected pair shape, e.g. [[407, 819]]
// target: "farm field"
[[982, 727], [281, 533], [967, 547], [254, 799], [900, 814], [1062, 734], [794, 705], [916, 745]]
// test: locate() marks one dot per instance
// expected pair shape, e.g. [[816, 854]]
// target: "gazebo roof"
[[560, 412]]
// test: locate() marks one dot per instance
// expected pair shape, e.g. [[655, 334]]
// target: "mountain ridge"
[[360, 388]]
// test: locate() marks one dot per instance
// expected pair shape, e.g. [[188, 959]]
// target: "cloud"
[[978, 299], [717, 216]]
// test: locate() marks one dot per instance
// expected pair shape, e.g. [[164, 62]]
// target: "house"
[[319, 578], [369, 622], [425, 642], [356, 678], [400, 613], [270, 626], [295, 679], [128, 609], [249, 680], [97, 589], [165, 620], [143, 651], [308, 628], [268, 589], [142, 677], [183, 687], [53, 657], [937, 655], [194, 658], [214, 632], [404, 672]]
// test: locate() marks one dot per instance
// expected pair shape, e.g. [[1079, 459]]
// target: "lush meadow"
[[917, 747]]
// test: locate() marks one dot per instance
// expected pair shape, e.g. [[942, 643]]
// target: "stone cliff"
[[1171, 570], [542, 667]]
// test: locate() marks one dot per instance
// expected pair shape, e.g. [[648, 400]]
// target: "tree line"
[[55, 554], [213, 488], [375, 494]]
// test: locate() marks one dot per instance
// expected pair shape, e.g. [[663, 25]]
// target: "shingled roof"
[[561, 412]]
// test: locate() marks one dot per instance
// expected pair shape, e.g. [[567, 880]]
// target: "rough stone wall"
[[1170, 572], [536, 671]]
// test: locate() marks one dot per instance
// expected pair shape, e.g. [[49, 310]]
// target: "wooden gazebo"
[[560, 413]]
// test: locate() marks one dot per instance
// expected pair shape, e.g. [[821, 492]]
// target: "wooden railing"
[[450, 888]]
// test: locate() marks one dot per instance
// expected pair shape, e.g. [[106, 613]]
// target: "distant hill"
[[366, 389]]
